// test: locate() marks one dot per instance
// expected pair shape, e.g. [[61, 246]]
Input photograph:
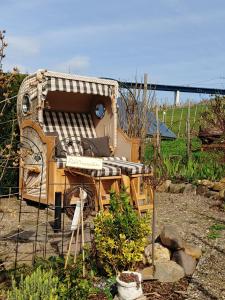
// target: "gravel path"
[[194, 217]]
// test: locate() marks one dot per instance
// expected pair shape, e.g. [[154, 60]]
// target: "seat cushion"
[[127, 167], [107, 170]]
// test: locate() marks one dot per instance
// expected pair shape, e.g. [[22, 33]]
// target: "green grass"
[[175, 118], [202, 165]]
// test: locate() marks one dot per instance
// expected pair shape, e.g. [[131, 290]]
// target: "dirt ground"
[[191, 213], [194, 217]]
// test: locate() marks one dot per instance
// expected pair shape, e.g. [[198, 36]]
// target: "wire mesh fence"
[[30, 229]]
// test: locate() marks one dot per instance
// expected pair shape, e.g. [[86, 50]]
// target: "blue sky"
[[174, 41]]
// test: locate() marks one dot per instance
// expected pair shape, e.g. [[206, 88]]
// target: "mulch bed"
[[99, 296], [155, 290]]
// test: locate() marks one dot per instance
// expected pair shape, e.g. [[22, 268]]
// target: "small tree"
[[213, 119], [120, 235]]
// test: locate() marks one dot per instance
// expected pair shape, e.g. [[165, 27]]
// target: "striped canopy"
[[78, 84]]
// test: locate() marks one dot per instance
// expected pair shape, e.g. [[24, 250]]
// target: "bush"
[[39, 285], [120, 235]]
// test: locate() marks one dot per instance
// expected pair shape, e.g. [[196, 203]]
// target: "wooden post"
[[196, 108], [157, 129], [153, 229], [171, 120], [181, 115], [144, 117], [188, 132]]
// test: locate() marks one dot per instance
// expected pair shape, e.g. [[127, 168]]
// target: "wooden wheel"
[[72, 196]]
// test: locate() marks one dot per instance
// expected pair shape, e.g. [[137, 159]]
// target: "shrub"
[[39, 285], [120, 235]]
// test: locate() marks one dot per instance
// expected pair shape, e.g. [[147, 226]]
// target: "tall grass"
[[203, 165]]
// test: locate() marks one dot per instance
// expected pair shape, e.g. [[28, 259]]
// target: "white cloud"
[[23, 45], [75, 64]]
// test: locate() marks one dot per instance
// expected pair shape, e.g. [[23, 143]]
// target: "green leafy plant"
[[39, 285], [120, 235], [215, 231], [72, 284]]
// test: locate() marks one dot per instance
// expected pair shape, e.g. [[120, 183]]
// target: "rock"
[[211, 194], [201, 190], [207, 183], [170, 237], [222, 194], [193, 251], [168, 271], [161, 253], [219, 186], [176, 188], [147, 273], [164, 187], [189, 188], [187, 262], [222, 180]]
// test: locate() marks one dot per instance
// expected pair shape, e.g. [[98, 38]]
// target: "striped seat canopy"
[[79, 84]]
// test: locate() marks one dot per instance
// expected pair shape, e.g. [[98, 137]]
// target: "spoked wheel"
[[72, 196]]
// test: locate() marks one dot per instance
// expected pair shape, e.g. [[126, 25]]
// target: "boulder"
[[189, 188], [147, 273], [176, 188], [164, 187], [193, 251], [161, 253], [219, 186], [170, 237], [187, 262], [168, 271], [222, 180]]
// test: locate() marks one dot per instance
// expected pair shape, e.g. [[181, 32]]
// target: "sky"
[[178, 42]]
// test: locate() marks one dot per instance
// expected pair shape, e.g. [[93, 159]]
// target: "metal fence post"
[[58, 211]]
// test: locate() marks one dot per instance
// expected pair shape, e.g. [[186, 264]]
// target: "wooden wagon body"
[[56, 112]]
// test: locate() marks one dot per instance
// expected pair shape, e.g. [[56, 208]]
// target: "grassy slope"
[[177, 116]]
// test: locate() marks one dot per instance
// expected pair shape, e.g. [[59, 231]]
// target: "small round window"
[[100, 110], [26, 104]]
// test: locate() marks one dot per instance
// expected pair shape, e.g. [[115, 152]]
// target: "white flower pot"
[[129, 290]]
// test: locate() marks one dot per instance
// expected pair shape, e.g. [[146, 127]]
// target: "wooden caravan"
[[63, 116]]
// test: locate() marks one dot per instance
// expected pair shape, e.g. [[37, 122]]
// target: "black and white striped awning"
[[77, 84]]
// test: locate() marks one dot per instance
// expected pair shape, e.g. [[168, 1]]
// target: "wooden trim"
[[33, 198], [132, 143], [50, 143]]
